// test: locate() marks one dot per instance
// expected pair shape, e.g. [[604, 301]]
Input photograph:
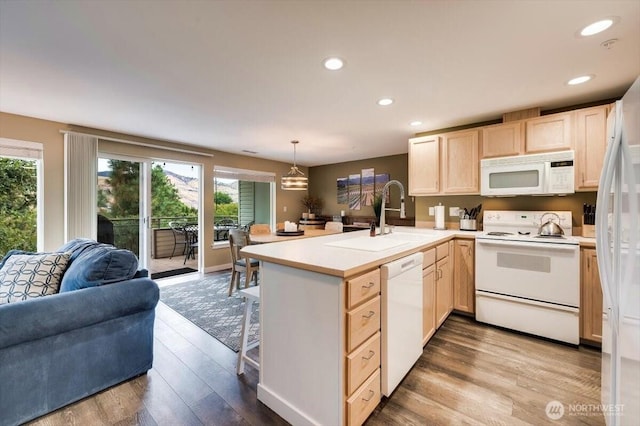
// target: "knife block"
[[588, 231]]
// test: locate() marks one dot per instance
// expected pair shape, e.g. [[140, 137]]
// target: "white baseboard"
[[283, 409]]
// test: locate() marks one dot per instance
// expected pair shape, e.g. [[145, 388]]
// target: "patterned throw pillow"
[[26, 276]]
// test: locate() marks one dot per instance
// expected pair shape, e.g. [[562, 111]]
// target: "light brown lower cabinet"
[[362, 390], [428, 303], [444, 284], [590, 298], [464, 276]]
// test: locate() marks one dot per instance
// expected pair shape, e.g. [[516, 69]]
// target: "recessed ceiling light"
[[385, 101], [333, 64], [415, 123], [597, 27], [580, 80]]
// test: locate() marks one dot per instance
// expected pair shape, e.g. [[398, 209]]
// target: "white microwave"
[[550, 173]]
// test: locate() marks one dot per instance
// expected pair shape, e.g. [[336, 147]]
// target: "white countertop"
[[313, 254]]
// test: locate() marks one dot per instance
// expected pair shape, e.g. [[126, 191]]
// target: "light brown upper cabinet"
[[424, 165], [501, 140], [460, 162], [591, 144], [454, 156], [549, 133]]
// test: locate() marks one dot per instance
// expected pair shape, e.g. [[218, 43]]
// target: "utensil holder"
[[468, 225], [588, 231]]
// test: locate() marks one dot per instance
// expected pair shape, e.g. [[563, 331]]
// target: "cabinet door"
[[444, 291], [424, 165], [502, 140], [464, 276], [590, 298], [428, 303], [591, 144], [460, 162], [549, 133]]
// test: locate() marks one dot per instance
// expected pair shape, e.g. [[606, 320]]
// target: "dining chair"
[[179, 237], [260, 228], [239, 263], [333, 226]]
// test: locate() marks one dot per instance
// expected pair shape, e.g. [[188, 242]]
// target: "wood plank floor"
[[468, 374]]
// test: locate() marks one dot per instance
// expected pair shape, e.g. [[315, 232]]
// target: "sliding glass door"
[[151, 208], [123, 209]]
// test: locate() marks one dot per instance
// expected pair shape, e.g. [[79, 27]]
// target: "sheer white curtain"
[[80, 187]]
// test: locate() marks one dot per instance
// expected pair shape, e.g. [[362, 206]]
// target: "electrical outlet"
[[454, 211], [431, 211], [284, 209]]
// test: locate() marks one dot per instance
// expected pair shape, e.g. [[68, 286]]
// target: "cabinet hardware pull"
[[371, 394], [583, 178], [588, 263], [371, 313], [371, 284], [371, 354]]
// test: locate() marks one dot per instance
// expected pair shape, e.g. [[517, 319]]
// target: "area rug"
[[172, 273], [205, 302]]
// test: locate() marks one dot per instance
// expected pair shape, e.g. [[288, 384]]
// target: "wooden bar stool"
[[252, 295]]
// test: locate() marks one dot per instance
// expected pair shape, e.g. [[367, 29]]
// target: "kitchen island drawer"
[[362, 323], [362, 362], [363, 287], [364, 400]]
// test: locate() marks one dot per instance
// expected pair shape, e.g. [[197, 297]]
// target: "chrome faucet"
[[385, 191]]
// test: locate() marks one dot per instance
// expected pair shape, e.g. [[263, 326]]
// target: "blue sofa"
[[95, 333]]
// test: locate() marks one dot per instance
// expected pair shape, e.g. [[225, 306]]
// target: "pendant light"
[[295, 180]]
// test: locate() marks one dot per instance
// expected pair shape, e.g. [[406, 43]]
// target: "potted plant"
[[377, 207], [312, 204]]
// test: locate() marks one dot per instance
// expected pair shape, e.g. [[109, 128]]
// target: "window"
[[20, 172], [242, 198]]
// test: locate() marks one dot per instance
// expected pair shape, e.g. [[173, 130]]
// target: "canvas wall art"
[[354, 192]]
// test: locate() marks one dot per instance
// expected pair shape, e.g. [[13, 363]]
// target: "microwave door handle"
[[546, 172]]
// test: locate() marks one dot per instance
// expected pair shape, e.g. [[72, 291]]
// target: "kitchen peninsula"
[[320, 320]]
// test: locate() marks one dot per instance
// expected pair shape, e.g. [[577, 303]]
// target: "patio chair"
[[179, 237], [238, 239]]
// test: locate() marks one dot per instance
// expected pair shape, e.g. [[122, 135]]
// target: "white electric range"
[[526, 282]]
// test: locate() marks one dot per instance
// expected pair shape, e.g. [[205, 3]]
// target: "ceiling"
[[248, 75]]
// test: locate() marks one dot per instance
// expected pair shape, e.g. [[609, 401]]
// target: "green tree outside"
[[18, 202]]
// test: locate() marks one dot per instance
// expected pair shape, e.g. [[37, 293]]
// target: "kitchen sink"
[[367, 243], [406, 236]]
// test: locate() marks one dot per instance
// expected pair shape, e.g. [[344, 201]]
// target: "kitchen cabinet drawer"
[[429, 257], [442, 251], [362, 288], [362, 403], [362, 323], [362, 362]]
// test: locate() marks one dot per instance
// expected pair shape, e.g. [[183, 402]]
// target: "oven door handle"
[[526, 244]]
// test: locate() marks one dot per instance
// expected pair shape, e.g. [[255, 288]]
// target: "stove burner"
[[523, 233], [499, 234], [551, 237]]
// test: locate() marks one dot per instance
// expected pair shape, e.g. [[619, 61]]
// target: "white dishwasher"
[[401, 319]]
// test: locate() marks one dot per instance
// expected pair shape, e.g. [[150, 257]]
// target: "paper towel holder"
[[439, 213]]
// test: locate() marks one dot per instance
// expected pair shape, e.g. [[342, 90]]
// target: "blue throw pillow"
[[78, 246], [97, 265]]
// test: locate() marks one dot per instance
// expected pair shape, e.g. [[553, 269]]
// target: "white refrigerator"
[[618, 248]]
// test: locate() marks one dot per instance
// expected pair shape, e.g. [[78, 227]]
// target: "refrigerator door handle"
[[603, 245], [631, 179]]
